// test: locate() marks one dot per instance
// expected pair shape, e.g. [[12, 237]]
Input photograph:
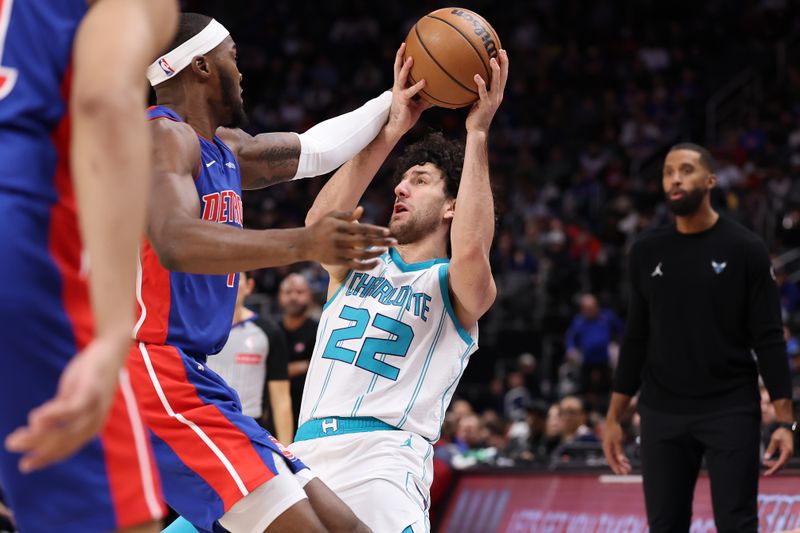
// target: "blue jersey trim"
[[329, 427], [335, 294], [410, 267], [444, 287]]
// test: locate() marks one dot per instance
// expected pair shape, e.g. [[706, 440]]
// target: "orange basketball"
[[449, 47]]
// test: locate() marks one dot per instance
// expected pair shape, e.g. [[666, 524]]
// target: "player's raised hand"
[[338, 239], [406, 108], [59, 427], [489, 98], [612, 448]]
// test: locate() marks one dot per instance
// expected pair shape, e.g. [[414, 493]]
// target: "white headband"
[[174, 61]]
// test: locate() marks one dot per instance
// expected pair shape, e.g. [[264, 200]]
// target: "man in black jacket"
[[703, 298]]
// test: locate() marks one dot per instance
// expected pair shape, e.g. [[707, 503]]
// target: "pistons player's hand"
[[406, 107], [338, 239], [59, 427]]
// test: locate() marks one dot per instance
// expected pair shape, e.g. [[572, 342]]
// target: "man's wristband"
[[791, 426]]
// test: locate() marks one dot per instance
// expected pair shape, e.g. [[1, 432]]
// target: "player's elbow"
[[491, 292], [167, 246], [170, 257]]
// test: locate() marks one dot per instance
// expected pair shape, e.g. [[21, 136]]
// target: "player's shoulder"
[[232, 138], [733, 229], [175, 137], [166, 125]]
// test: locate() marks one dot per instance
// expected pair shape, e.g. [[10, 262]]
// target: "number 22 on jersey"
[[367, 357], [8, 76]]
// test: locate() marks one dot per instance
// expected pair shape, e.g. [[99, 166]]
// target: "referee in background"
[[703, 298]]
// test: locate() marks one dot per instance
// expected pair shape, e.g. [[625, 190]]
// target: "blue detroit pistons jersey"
[[45, 313], [35, 51], [193, 311], [389, 346]]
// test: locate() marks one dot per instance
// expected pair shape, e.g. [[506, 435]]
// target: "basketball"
[[449, 47]]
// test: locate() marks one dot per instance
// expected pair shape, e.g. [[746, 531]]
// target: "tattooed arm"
[[264, 159], [271, 158]]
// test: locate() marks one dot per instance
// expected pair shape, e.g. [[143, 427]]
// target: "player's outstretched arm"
[[470, 276], [184, 242], [110, 158], [270, 158], [345, 188]]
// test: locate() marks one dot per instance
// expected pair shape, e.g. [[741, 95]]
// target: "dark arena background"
[[598, 91]]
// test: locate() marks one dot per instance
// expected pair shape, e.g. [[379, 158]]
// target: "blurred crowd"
[[597, 93]]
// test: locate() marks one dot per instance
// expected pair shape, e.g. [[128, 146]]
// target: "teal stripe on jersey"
[[444, 287], [424, 371], [335, 294], [460, 372], [324, 386], [425, 461], [327, 378], [410, 267]]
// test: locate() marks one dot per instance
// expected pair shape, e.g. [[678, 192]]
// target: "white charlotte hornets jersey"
[[390, 347]]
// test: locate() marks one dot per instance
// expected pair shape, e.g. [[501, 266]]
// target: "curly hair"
[[434, 148]]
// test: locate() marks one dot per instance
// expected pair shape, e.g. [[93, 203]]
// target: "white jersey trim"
[[194, 427], [139, 298], [140, 443]]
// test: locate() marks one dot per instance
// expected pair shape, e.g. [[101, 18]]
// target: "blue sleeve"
[[572, 333]]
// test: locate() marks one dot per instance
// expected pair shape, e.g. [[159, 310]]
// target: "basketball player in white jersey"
[[394, 341]]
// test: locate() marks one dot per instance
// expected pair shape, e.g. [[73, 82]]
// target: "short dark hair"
[[189, 25], [706, 159], [434, 148]]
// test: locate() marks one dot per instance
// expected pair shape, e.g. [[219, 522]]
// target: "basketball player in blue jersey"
[[393, 341], [74, 149], [219, 467]]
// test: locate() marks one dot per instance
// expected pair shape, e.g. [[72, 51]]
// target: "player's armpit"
[[264, 159]]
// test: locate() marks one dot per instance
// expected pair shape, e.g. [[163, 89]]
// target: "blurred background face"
[[589, 307], [469, 430], [294, 296], [572, 416], [554, 426], [460, 409], [515, 380], [685, 181]]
